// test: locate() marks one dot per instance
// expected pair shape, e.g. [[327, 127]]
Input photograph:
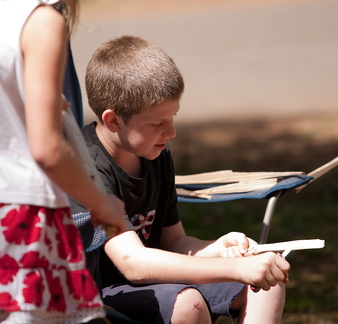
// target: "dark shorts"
[[154, 303]]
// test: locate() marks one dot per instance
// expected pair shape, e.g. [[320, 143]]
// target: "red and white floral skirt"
[[43, 277]]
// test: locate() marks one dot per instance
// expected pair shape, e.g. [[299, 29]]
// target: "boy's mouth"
[[160, 146]]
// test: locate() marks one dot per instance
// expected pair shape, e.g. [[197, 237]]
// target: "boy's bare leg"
[[263, 307], [190, 308]]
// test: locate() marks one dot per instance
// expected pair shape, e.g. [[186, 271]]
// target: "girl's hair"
[[73, 14], [70, 10], [129, 74]]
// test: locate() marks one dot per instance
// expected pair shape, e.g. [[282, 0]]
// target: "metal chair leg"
[[268, 217]]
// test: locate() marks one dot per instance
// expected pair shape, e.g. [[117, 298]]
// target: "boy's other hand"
[[234, 244]]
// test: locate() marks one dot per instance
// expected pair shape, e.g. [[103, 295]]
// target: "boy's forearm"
[[146, 265], [157, 266], [143, 265], [195, 247]]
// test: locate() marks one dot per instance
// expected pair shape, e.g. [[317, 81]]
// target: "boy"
[[154, 273]]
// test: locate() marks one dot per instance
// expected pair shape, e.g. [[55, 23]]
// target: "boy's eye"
[[157, 124]]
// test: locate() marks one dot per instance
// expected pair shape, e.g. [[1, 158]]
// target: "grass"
[[312, 294]]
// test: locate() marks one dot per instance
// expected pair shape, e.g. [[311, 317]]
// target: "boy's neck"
[[129, 162], [132, 166]]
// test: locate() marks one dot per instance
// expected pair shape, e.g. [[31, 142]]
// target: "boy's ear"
[[111, 120]]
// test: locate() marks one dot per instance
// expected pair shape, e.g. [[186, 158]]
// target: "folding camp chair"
[[190, 190], [272, 194], [72, 89]]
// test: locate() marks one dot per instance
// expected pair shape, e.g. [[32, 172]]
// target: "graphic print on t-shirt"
[[142, 225]]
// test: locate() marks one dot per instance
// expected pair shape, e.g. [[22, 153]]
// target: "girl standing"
[[43, 278]]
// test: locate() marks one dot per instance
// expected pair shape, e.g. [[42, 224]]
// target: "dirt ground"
[[239, 58]]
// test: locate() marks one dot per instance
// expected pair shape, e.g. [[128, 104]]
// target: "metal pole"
[[268, 217]]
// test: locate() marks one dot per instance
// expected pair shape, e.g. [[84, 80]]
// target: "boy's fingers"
[[286, 279], [282, 264], [241, 241]]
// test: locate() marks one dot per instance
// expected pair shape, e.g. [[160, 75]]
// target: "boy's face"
[[147, 133]]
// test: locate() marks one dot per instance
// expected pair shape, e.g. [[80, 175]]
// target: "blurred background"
[[239, 59], [261, 95]]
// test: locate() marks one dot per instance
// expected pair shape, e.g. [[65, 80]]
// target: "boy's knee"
[[190, 307]]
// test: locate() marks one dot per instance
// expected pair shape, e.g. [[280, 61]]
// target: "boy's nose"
[[170, 130]]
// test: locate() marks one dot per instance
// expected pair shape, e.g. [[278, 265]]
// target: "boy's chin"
[[152, 155]]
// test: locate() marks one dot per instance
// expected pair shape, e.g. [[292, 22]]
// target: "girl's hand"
[[65, 104], [109, 213]]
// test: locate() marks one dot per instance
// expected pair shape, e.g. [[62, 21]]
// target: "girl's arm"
[[43, 46]]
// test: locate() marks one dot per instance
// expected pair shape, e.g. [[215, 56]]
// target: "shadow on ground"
[[297, 144]]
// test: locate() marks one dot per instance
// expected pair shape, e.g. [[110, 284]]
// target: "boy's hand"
[[110, 213], [234, 244], [264, 270]]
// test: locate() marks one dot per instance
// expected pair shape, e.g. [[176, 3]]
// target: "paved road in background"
[[242, 62]]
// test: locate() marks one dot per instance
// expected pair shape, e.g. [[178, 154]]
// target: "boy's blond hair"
[[129, 74]]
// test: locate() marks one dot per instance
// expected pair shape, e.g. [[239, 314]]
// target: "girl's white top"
[[21, 179]]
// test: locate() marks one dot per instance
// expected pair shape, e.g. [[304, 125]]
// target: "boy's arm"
[[144, 265]]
